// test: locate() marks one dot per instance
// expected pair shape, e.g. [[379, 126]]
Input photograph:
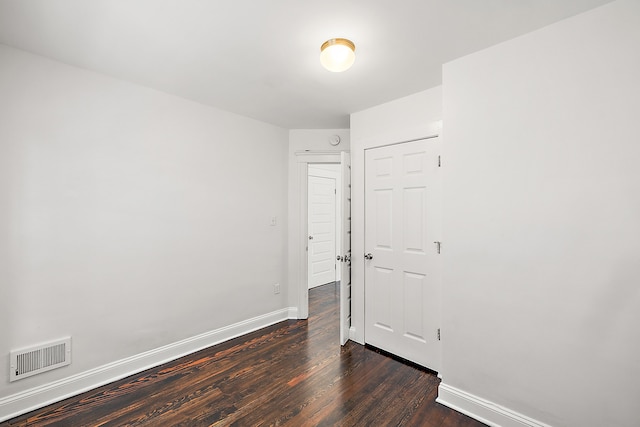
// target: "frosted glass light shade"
[[337, 54]]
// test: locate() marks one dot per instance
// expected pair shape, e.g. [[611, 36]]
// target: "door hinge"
[[439, 162], [438, 334]]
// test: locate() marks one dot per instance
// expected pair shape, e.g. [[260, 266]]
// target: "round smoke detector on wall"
[[334, 139]]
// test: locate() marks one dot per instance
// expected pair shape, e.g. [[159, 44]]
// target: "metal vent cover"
[[41, 358]]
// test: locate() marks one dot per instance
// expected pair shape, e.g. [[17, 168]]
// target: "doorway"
[[299, 236]]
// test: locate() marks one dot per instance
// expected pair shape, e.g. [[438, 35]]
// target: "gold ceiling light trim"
[[337, 54], [345, 42]]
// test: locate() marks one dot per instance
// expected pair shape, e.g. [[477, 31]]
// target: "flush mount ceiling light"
[[337, 54]]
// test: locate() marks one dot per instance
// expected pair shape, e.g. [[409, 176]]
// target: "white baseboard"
[[292, 312], [352, 333], [483, 410], [38, 397]]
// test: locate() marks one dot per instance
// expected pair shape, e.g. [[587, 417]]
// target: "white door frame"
[[423, 321], [299, 238], [358, 147]]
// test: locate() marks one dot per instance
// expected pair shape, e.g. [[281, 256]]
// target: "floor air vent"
[[41, 358]]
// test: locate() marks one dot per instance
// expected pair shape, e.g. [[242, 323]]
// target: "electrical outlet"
[[274, 221], [276, 288]]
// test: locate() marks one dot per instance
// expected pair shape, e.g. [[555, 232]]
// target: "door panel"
[[384, 220], [381, 298], [402, 280], [413, 225], [414, 289]]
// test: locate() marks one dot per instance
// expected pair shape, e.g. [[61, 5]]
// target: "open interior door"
[[345, 249]]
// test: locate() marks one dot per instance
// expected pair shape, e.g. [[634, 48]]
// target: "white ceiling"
[[260, 58]]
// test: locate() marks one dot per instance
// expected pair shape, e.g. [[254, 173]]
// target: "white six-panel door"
[[321, 226], [402, 276]]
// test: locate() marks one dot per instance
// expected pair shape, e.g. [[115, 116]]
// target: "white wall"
[[405, 119], [541, 295], [129, 219], [305, 146]]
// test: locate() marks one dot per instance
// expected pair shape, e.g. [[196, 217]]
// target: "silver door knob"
[[310, 237], [368, 256], [338, 258]]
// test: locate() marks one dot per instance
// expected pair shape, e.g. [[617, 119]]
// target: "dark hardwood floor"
[[293, 373]]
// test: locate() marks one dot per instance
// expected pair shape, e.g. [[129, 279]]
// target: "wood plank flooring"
[[293, 373]]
